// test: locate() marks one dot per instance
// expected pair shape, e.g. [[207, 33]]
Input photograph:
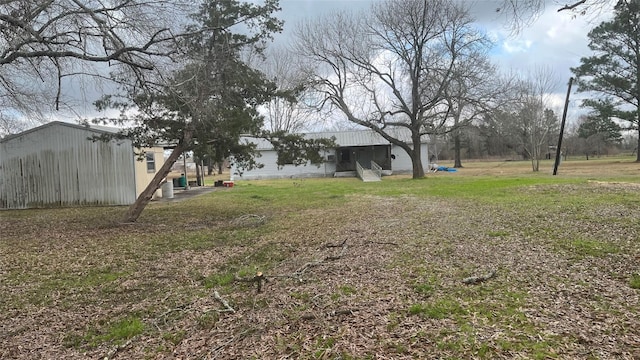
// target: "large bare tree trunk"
[[456, 150], [142, 201], [418, 169]]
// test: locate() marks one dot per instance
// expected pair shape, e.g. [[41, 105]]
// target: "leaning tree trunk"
[[142, 201]]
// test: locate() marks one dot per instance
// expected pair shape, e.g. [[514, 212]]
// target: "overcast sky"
[[556, 39]]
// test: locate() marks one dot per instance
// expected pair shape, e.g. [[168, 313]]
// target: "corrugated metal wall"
[[56, 165]]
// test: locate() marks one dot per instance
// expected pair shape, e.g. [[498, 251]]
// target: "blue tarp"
[[444, 168]]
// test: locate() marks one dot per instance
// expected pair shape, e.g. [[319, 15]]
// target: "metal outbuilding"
[[58, 164]]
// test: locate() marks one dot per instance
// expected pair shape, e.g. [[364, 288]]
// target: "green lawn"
[[353, 270]]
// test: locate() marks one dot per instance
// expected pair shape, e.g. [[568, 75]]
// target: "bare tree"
[[536, 122], [295, 110], [520, 13], [476, 89], [388, 69], [46, 45]]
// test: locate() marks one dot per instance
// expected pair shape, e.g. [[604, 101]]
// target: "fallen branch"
[[227, 307], [304, 267], [333, 258], [182, 308], [308, 265], [300, 271], [115, 350], [478, 279], [336, 245], [339, 312], [380, 243]]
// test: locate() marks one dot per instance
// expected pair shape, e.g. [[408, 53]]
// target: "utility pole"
[[564, 119]]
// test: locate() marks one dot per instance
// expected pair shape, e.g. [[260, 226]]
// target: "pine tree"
[[211, 102], [613, 71], [602, 126]]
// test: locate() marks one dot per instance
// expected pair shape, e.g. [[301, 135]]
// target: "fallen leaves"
[[342, 282]]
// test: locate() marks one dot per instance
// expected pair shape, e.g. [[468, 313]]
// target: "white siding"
[[270, 170], [57, 165], [402, 163]]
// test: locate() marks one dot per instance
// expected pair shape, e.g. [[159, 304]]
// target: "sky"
[[555, 40]]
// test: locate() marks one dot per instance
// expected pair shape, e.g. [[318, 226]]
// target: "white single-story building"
[[58, 164], [356, 146]]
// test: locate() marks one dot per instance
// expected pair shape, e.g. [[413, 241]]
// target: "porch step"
[[345, 174]]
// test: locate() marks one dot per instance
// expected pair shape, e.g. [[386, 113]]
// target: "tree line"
[[490, 138]]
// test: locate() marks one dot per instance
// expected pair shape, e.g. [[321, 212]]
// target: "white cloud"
[[516, 46]]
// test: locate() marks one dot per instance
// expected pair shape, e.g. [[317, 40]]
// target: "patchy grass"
[[440, 309], [115, 332], [587, 247], [354, 270]]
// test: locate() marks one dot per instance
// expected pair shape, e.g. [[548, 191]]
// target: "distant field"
[[490, 262], [614, 166]]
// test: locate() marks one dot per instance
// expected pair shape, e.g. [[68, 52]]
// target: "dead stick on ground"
[[115, 350], [224, 302], [306, 266], [336, 245], [332, 258], [380, 243], [478, 279]]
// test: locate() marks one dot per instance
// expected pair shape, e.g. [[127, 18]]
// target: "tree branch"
[[224, 302], [572, 6]]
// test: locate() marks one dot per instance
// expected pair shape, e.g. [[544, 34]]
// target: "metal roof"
[[345, 138], [94, 128]]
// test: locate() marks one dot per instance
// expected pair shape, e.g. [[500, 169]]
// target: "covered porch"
[[348, 156]]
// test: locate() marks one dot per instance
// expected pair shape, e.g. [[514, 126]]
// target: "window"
[[151, 162]]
